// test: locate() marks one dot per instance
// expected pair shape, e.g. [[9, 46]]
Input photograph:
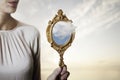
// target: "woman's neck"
[[7, 22]]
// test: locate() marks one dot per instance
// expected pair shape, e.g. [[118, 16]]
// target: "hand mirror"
[[60, 34]]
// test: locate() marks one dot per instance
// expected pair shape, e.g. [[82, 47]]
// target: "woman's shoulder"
[[29, 31], [27, 28]]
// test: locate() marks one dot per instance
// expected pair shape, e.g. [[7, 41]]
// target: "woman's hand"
[[59, 74]]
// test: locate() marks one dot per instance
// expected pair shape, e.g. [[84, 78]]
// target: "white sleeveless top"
[[20, 53]]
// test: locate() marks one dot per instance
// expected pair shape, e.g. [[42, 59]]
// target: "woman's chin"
[[11, 10]]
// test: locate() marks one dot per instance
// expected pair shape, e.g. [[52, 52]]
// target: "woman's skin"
[[59, 74], [7, 22], [6, 8]]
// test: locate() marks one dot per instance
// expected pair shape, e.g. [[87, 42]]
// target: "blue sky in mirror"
[[62, 32], [61, 41]]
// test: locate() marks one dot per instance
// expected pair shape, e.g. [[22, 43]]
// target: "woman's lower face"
[[8, 6]]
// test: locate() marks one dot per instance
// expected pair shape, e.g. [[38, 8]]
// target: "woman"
[[20, 48]]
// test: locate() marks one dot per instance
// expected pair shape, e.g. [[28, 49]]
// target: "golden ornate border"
[[59, 48]]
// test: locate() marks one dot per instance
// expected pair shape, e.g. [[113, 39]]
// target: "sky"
[[95, 51]]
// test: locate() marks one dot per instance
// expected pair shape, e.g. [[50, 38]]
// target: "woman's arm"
[[35, 48]]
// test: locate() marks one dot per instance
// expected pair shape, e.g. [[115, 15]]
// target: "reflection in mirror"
[[62, 32]]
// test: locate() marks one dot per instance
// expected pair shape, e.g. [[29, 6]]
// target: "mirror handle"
[[61, 63]]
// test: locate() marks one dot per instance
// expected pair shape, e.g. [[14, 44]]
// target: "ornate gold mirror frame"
[[59, 48]]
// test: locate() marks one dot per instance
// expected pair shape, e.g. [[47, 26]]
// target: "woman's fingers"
[[65, 76], [54, 75], [59, 74], [57, 71], [64, 70], [64, 73]]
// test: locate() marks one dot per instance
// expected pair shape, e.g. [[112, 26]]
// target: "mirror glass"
[[61, 32]]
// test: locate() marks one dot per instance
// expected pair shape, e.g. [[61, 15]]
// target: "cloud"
[[63, 29]]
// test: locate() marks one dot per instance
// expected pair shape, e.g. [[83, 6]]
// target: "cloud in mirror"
[[62, 32]]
